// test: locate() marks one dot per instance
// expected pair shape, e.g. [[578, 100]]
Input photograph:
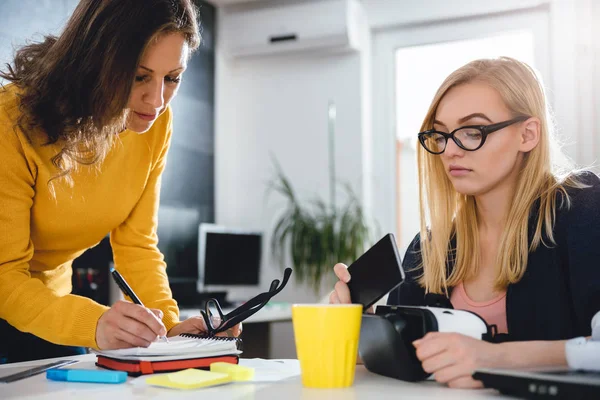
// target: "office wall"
[[22, 20], [387, 14], [277, 105]]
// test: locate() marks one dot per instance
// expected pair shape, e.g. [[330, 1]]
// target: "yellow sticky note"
[[189, 379], [236, 372]]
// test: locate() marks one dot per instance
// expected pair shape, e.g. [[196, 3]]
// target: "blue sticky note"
[[86, 375]]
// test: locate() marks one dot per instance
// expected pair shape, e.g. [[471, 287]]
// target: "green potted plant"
[[317, 235]]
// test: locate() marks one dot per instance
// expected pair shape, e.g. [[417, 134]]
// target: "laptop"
[[542, 384]]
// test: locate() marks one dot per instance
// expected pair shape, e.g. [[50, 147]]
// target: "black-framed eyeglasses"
[[468, 138], [234, 317]]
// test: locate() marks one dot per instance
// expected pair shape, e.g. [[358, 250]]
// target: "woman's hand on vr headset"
[[341, 292], [453, 357]]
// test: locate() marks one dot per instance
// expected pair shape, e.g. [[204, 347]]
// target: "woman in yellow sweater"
[[85, 125]]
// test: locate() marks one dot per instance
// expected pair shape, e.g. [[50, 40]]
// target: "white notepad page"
[[177, 345]]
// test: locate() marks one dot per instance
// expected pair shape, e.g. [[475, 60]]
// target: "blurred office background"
[[261, 86]]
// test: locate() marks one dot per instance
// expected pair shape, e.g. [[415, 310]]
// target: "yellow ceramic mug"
[[327, 343]]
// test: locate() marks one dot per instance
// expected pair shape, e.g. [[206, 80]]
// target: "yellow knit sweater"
[[41, 235]]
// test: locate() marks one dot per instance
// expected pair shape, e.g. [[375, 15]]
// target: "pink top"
[[492, 311]]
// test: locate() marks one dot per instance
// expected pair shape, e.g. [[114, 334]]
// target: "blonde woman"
[[502, 234]]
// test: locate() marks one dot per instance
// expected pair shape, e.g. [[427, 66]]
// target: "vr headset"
[[386, 337]]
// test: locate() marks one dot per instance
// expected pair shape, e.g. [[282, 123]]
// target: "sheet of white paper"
[[264, 371], [271, 370]]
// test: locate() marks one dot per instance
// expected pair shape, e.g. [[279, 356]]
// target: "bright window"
[[420, 70]]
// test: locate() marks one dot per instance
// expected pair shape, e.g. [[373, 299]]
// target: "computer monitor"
[[229, 261]]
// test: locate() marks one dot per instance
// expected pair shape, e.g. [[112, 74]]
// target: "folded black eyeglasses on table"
[[241, 313]]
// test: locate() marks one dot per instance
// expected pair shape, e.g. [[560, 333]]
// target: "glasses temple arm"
[[253, 305], [273, 290]]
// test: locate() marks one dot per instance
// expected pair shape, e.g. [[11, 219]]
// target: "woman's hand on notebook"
[[196, 325], [341, 292], [128, 325]]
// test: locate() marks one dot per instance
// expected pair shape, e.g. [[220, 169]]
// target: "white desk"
[[256, 332], [366, 386]]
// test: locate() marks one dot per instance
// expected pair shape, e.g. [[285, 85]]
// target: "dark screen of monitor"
[[178, 242], [232, 259]]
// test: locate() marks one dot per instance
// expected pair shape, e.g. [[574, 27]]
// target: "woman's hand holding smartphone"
[[341, 292], [373, 275]]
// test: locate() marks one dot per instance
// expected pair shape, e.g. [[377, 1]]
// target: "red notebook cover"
[[137, 368]]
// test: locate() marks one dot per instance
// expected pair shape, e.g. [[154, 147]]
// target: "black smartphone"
[[376, 273]]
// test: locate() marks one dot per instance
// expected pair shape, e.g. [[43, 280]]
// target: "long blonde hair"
[[453, 215]]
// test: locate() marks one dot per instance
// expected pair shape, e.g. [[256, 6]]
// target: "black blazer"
[[560, 290]]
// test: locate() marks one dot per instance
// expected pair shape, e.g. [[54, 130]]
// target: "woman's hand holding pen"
[[129, 325], [133, 325]]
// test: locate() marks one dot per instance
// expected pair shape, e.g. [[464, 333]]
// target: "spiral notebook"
[[181, 352], [182, 346]]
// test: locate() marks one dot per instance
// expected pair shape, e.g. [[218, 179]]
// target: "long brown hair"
[[75, 87]]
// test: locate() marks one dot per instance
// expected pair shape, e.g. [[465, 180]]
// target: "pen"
[[128, 291]]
